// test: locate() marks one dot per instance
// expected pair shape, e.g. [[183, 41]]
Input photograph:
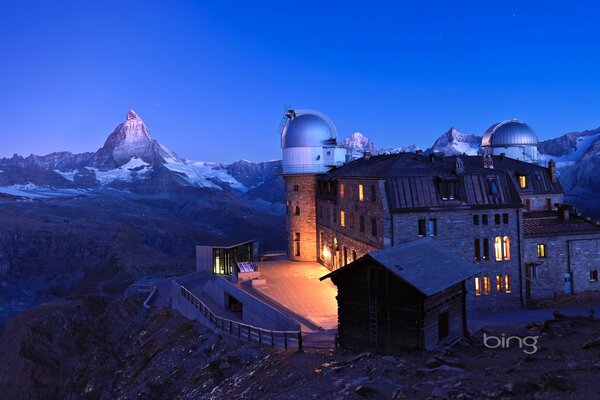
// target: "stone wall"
[[538, 201], [300, 191], [333, 258], [458, 232], [577, 254]]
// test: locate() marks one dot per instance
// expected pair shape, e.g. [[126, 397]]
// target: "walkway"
[[295, 286]]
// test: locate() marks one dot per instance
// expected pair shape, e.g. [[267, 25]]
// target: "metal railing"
[[245, 331], [304, 168]]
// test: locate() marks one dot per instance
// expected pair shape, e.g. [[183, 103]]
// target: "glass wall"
[[224, 258]]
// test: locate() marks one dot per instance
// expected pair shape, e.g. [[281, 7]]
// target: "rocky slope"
[[106, 347]]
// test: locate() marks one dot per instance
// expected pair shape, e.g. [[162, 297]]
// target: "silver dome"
[[307, 128], [509, 133]]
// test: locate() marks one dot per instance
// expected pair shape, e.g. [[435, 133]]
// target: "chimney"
[[488, 162], [367, 155], [552, 169], [459, 167], [431, 157], [564, 211]]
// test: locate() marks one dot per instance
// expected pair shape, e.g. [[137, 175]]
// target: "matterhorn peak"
[[132, 115]]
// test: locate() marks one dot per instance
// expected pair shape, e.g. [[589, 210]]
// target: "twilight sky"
[[211, 78]]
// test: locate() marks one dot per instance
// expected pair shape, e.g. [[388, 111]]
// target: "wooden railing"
[[246, 331]]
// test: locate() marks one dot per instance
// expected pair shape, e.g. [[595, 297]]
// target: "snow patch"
[[38, 192]]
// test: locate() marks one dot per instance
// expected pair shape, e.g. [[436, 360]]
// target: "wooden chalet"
[[410, 296]]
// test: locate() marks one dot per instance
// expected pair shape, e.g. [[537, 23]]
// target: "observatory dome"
[[509, 133], [308, 129]]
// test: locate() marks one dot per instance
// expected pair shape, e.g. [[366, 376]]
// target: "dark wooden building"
[[410, 296]]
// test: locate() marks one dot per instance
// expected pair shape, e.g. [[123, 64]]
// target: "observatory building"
[[502, 211], [513, 138]]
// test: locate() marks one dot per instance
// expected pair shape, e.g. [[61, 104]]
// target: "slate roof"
[[538, 177], [547, 223], [413, 181], [425, 264]]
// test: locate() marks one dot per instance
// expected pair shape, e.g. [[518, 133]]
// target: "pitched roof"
[[547, 223], [413, 181], [425, 264], [539, 179]]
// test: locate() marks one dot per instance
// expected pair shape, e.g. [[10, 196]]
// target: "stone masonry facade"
[[301, 217]]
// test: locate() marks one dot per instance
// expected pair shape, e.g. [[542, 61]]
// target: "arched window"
[[498, 248], [297, 210]]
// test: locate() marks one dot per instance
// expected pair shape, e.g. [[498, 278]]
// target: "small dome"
[[508, 134], [308, 129]]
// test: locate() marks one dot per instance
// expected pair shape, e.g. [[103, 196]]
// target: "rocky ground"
[[107, 347]]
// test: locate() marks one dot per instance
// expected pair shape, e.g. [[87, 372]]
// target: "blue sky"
[[211, 78]]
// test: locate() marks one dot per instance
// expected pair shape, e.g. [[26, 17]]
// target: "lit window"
[[342, 218], [361, 192], [486, 284], [341, 190], [541, 250], [498, 248], [594, 275], [507, 284], [522, 181], [506, 247], [477, 286], [499, 281]]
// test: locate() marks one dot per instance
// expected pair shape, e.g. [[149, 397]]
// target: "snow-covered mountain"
[[455, 142], [129, 159], [356, 144]]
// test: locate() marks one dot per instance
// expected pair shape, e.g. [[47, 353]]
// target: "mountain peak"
[[131, 115], [455, 142]]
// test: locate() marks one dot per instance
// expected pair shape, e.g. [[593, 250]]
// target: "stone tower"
[[308, 141]]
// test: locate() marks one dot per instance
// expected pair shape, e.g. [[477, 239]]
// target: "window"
[[322, 244], [505, 218], [297, 244], [443, 324], [541, 249], [373, 227], [351, 191], [448, 190], [486, 249], [506, 247], [341, 190], [477, 248], [475, 219], [499, 281], [594, 275], [422, 227], [296, 188], [342, 218], [432, 227], [477, 286], [493, 187], [334, 216], [353, 255], [522, 181], [484, 219], [297, 210], [549, 203], [361, 192], [486, 284], [528, 204], [373, 194], [507, 284], [345, 253], [533, 271], [498, 248], [361, 223], [351, 220], [502, 248], [497, 219]]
